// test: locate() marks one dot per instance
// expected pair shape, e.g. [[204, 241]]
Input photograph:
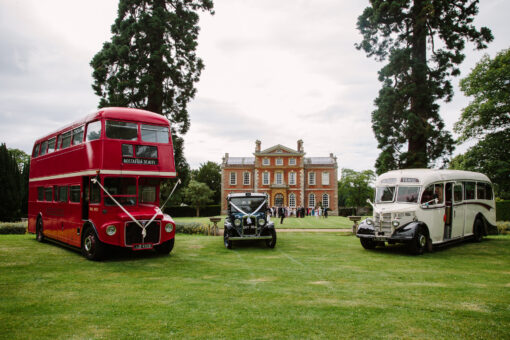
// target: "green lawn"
[[310, 286], [308, 222]]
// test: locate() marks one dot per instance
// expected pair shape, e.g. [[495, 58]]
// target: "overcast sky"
[[276, 70]]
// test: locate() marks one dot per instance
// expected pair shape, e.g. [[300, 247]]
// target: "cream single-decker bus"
[[427, 207]]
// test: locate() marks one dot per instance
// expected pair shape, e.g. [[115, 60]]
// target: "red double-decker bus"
[[96, 182]]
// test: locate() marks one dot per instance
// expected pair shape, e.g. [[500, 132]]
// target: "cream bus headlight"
[[369, 221], [169, 227], [111, 230], [395, 223]]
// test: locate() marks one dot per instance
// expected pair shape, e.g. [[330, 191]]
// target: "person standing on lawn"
[[282, 214]]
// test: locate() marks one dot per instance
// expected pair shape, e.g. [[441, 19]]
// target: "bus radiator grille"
[[134, 233]]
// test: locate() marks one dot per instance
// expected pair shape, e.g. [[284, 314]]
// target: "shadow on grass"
[[251, 244]]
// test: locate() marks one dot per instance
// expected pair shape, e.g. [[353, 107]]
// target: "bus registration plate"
[[142, 246]]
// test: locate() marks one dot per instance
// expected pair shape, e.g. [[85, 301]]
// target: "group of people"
[[299, 212]]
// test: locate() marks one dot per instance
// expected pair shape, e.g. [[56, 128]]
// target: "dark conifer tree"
[[423, 41], [150, 62], [10, 188]]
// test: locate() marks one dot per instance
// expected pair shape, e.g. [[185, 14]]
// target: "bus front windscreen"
[[408, 194], [384, 194], [123, 189]]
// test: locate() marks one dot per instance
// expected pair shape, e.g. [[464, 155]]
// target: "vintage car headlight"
[[169, 227], [237, 222], [111, 230], [261, 222], [369, 221], [395, 223]]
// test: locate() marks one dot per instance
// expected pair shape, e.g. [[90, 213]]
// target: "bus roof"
[[426, 176], [115, 113]]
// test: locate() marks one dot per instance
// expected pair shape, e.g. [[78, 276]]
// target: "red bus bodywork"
[[68, 161]]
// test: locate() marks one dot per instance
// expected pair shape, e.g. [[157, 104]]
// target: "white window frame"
[[265, 161], [266, 180], [278, 176], [246, 179], [311, 200], [325, 178], [233, 178], [292, 200], [311, 178], [279, 161], [292, 178], [292, 161], [325, 201]]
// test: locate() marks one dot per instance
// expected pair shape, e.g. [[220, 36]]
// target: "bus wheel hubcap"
[[88, 243], [423, 241]]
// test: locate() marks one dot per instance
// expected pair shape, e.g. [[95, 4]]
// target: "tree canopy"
[[355, 187], [198, 195], [422, 40], [210, 174]]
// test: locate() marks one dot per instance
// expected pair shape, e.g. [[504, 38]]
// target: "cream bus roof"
[[426, 176]]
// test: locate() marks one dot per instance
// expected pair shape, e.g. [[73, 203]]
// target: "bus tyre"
[[420, 242], [91, 247], [39, 236], [368, 243], [226, 241], [272, 242], [165, 248], [478, 230]]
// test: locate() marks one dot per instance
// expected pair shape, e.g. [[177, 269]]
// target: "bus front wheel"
[[39, 236], [420, 242], [91, 247], [368, 243], [165, 248]]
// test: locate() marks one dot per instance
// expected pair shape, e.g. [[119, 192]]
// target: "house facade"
[[286, 175]]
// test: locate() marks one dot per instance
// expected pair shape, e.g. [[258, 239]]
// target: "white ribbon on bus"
[[144, 233], [248, 220]]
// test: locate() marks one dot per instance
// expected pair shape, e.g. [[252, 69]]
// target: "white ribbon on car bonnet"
[[248, 220]]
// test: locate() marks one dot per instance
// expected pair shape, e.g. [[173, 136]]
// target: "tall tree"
[[10, 188], [487, 119], [355, 187], [210, 174], [150, 62], [422, 40]]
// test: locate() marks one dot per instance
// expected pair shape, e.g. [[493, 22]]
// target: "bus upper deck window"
[[51, 145], [78, 135], [94, 130], [36, 151], [44, 147], [121, 130], [154, 133], [66, 140]]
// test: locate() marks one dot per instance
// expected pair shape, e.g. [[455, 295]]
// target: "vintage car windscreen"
[[384, 194], [408, 194], [247, 204]]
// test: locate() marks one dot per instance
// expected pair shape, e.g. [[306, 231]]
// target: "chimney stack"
[[300, 145], [257, 146]]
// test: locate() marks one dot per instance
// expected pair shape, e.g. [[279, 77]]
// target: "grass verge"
[[310, 286]]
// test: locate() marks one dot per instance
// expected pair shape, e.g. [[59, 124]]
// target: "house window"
[[311, 201], [325, 178], [311, 178], [279, 178], [325, 201], [233, 178], [265, 161], [292, 200], [292, 178], [279, 161], [292, 161], [265, 178], [246, 178]]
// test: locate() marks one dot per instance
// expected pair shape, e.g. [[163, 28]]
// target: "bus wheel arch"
[[421, 240], [91, 246], [479, 228], [39, 235]]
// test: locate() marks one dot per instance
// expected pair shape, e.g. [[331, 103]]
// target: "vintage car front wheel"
[[226, 240], [272, 242]]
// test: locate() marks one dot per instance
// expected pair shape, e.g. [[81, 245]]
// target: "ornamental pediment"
[[278, 150]]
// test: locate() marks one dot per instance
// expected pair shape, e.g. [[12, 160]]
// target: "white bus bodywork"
[[426, 207]]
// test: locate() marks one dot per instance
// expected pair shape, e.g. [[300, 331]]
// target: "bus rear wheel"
[[165, 248], [91, 247], [478, 230], [39, 236]]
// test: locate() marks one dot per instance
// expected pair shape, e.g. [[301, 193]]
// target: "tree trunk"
[[198, 212], [417, 124]]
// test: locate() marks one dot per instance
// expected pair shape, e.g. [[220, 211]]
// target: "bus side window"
[[66, 140], [438, 193], [483, 191], [44, 147], [51, 145], [40, 193], [48, 194], [457, 193], [36, 151], [78, 135], [469, 190], [74, 195], [93, 130], [62, 193], [55, 191]]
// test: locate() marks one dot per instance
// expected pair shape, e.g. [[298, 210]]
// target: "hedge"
[[193, 228], [186, 211], [13, 228], [503, 210]]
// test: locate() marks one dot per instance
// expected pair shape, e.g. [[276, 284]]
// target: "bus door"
[[448, 211], [458, 211], [93, 213]]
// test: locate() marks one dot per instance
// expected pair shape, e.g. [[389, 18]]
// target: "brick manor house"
[[286, 175]]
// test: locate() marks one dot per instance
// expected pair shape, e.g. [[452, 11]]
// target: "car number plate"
[[379, 239], [142, 246]]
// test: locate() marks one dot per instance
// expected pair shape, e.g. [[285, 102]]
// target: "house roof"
[[240, 161], [278, 150]]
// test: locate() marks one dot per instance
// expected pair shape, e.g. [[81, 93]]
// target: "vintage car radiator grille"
[[249, 228], [383, 223], [134, 233]]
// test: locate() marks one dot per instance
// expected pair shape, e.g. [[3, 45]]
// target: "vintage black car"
[[247, 219]]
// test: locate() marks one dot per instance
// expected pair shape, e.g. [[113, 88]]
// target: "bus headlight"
[[169, 227], [369, 221], [111, 230], [395, 223], [237, 222], [261, 222]]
